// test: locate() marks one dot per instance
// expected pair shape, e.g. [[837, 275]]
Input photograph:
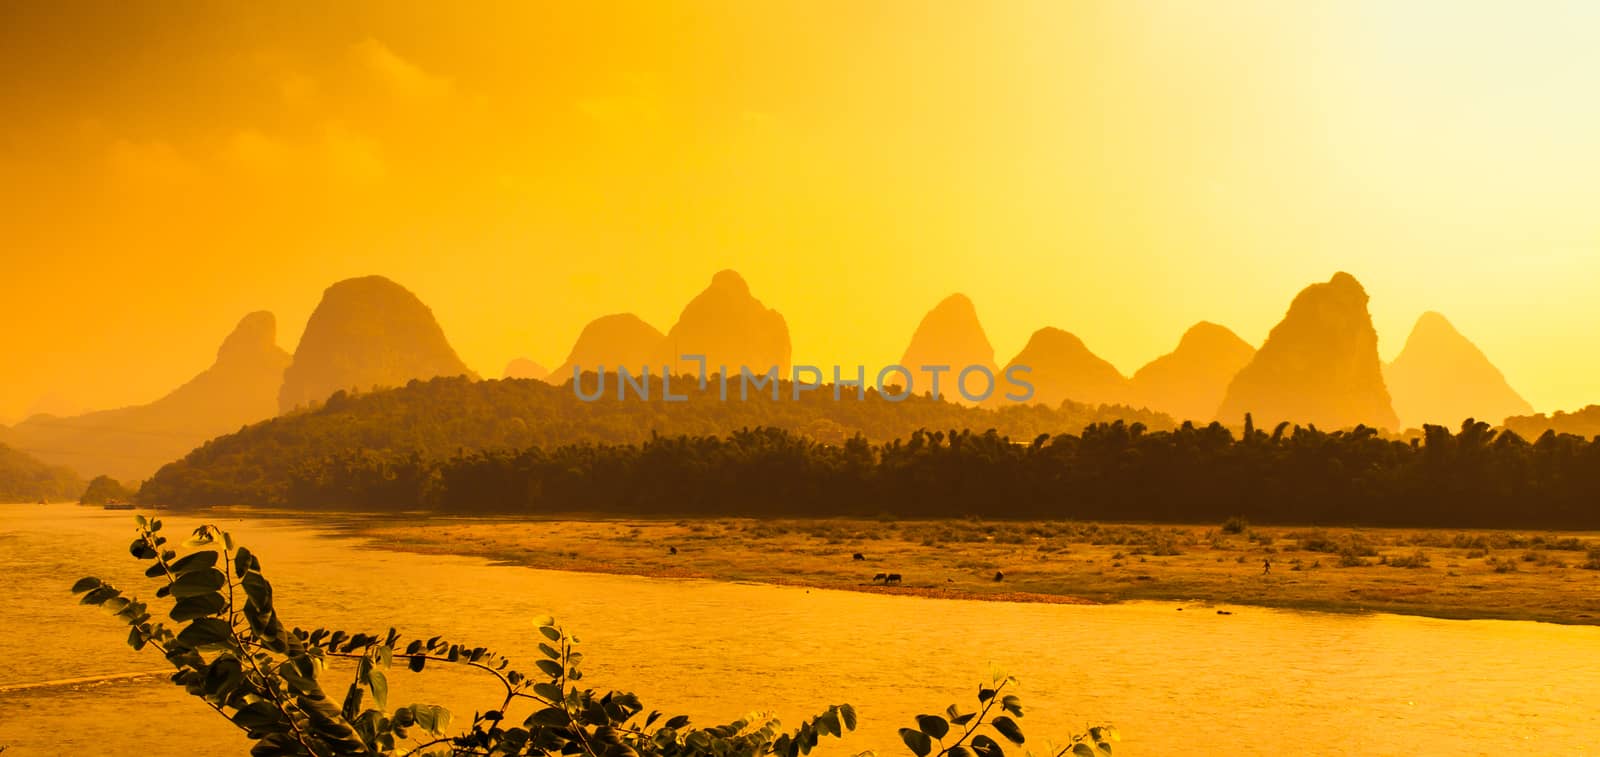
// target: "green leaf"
[[1083, 750], [1007, 728], [257, 589], [200, 606], [194, 561], [205, 632], [985, 695], [959, 751], [379, 683], [549, 667], [199, 582], [933, 725], [917, 741], [243, 561], [848, 715], [549, 651], [86, 584], [549, 716], [984, 746], [141, 550], [98, 595], [550, 633]]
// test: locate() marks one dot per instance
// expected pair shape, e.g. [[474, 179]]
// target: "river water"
[[1174, 682]]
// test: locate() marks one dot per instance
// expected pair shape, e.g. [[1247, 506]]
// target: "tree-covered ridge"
[[1584, 422], [23, 478], [1111, 471], [426, 422]]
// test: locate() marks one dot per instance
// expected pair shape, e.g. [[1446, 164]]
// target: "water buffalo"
[[858, 556], [892, 578], [880, 577], [998, 576]]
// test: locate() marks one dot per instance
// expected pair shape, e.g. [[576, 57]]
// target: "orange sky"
[[1119, 170]]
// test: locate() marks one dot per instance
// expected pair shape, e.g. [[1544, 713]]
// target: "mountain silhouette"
[[366, 332], [950, 335], [524, 368], [1319, 365], [1190, 381], [621, 339], [129, 443], [1064, 369], [25, 478], [1441, 377], [730, 327]]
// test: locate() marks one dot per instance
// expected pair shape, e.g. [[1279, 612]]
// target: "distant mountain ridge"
[[1063, 368], [1319, 365], [1190, 382], [366, 332], [620, 339], [948, 335], [524, 368], [26, 479], [1441, 377], [130, 443], [730, 327]]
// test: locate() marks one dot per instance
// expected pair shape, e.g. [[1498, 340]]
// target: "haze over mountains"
[[1441, 378], [620, 339], [1064, 369], [525, 368], [1319, 365], [367, 332], [25, 478], [730, 327], [1190, 381], [949, 335], [240, 387]]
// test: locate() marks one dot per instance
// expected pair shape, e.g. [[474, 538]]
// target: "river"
[[1256, 682]]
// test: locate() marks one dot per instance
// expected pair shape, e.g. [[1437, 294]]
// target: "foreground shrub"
[[232, 651]]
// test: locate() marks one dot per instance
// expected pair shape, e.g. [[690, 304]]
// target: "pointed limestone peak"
[[1319, 365], [1441, 377]]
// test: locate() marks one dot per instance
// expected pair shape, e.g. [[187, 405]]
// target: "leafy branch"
[[231, 650]]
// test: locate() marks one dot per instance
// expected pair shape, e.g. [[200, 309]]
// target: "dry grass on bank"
[[1442, 573]]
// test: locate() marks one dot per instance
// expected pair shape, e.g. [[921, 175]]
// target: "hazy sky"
[[1117, 169]]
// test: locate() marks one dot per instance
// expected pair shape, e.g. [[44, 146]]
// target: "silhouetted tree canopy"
[[428, 421], [1111, 471]]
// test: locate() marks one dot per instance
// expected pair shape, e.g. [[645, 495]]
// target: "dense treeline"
[[1585, 422], [24, 478], [1477, 477], [427, 421]]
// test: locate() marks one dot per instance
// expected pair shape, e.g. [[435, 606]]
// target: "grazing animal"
[[672, 550], [880, 577], [892, 578], [1223, 612], [998, 576], [858, 556]]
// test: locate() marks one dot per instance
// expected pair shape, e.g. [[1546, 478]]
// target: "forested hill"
[[445, 417], [24, 478]]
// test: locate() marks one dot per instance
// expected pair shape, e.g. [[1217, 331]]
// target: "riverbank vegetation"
[[230, 650], [1548, 576], [1477, 477]]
